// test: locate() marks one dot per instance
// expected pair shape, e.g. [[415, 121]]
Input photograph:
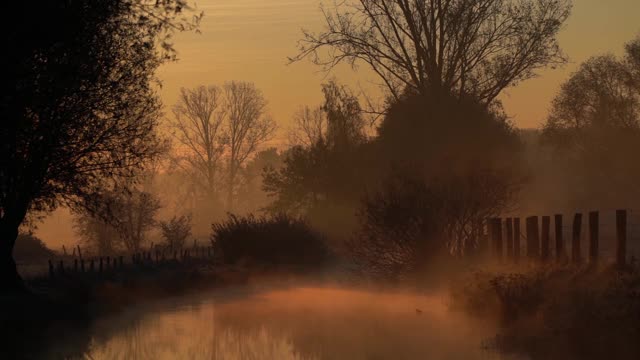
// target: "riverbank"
[[557, 312]]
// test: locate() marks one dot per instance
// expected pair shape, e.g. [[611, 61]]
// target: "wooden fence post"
[[495, 232], [576, 256], [509, 226], [61, 267], [101, 266], [545, 249], [79, 252], [75, 265], [92, 265], [533, 238], [621, 238], [516, 239], [82, 265], [560, 250], [594, 237]]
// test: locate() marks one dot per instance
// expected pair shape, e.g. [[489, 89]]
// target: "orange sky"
[[251, 39]]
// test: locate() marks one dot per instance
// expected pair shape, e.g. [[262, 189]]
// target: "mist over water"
[[296, 323]]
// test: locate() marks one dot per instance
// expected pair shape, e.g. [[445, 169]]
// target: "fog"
[[305, 322]]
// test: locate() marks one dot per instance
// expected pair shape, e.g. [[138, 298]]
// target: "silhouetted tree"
[[594, 124], [251, 196], [450, 133], [248, 127], [410, 220], [199, 121], [326, 168], [300, 183], [309, 127], [176, 231], [100, 236], [77, 104], [475, 47], [345, 125], [120, 223]]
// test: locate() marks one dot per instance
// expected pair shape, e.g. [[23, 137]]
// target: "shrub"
[[413, 218], [176, 231], [29, 247], [269, 241], [559, 313]]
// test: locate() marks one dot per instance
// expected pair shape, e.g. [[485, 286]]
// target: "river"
[[313, 322]]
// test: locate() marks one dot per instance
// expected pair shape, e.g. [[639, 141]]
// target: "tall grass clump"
[[561, 313], [269, 241]]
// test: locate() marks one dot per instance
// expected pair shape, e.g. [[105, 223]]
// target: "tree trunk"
[[10, 280]]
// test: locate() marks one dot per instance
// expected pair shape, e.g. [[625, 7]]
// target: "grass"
[[558, 312]]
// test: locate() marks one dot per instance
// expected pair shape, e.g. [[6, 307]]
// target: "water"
[[293, 323]]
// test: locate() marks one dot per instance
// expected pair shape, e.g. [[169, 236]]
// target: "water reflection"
[[299, 323]]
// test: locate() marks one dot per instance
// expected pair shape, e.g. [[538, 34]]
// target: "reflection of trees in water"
[[300, 323], [192, 334]]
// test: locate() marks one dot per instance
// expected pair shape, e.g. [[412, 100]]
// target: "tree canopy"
[[77, 102], [474, 47]]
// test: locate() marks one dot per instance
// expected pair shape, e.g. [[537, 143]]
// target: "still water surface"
[[294, 323]]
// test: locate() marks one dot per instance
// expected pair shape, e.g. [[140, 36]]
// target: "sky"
[[250, 40]]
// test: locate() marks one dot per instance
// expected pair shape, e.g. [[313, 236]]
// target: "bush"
[[400, 228], [31, 248], [273, 241], [559, 313], [176, 231], [411, 219]]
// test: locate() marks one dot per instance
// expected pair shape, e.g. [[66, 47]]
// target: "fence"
[[551, 239], [77, 264]]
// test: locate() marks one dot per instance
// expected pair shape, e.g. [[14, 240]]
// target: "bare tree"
[[122, 222], [199, 116], [474, 47], [248, 127], [176, 231], [309, 126]]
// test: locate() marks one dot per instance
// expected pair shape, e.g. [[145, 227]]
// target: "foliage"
[[328, 164], [31, 248], [446, 132], [176, 231], [124, 219], [77, 101], [594, 129], [411, 220], [251, 196], [401, 229], [273, 241], [559, 313], [469, 47]]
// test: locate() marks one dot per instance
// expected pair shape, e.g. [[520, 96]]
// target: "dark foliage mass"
[[594, 130], [77, 102], [438, 133], [176, 231], [559, 313], [31, 248], [274, 241]]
